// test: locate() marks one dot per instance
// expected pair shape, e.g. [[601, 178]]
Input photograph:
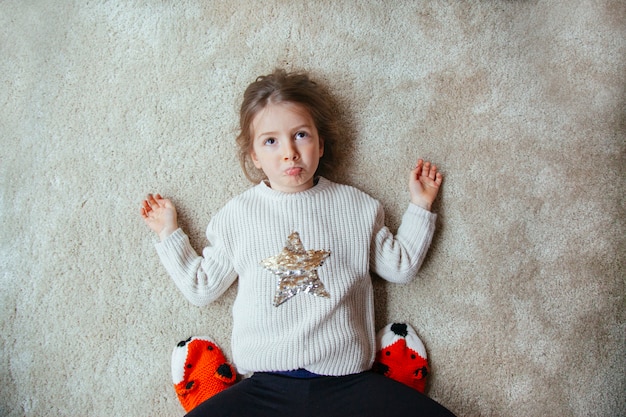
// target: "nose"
[[184, 342], [399, 329], [290, 152]]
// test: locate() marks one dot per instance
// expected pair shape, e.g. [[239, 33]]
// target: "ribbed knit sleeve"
[[397, 259], [201, 279]]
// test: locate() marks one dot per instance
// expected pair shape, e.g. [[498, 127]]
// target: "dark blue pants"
[[364, 394]]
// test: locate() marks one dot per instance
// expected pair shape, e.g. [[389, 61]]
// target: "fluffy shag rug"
[[521, 302]]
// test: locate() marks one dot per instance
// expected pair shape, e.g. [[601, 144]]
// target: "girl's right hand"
[[160, 215], [424, 184]]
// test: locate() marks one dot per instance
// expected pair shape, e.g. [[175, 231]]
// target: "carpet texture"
[[521, 301]]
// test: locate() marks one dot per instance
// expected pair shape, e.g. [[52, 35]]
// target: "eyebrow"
[[306, 125]]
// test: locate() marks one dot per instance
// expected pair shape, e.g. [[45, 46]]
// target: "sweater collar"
[[265, 190]]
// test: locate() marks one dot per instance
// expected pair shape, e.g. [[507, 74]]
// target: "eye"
[[388, 353], [269, 141], [302, 135]]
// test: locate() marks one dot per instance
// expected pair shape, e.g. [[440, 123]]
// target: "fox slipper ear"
[[226, 373]]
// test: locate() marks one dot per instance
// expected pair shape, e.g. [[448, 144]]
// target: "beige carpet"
[[521, 302]]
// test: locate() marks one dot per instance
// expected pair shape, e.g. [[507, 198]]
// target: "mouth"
[[293, 171]]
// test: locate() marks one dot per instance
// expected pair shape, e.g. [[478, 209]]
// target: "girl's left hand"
[[424, 184]]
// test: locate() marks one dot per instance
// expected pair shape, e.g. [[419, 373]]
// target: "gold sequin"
[[297, 270]]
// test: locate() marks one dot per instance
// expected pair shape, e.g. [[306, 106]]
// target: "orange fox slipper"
[[401, 355], [199, 371]]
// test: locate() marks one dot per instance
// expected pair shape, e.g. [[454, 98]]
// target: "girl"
[[302, 248]]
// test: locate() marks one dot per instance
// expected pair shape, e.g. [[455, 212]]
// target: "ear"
[[321, 147], [254, 159]]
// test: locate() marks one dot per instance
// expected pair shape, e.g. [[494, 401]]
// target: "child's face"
[[286, 146]]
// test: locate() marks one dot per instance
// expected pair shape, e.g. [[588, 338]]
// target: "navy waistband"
[[298, 373]]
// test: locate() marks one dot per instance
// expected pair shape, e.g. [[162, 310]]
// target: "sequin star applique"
[[297, 270]]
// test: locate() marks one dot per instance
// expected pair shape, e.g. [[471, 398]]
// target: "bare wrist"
[[165, 233], [423, 204]]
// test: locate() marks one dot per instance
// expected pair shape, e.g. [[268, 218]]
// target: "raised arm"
[[201, 279]]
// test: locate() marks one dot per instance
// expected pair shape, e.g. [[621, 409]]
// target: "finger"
[[439, 179], [152, 201], [433, 172], [417, 170]]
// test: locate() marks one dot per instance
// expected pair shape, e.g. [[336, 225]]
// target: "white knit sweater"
[[328, 336]]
